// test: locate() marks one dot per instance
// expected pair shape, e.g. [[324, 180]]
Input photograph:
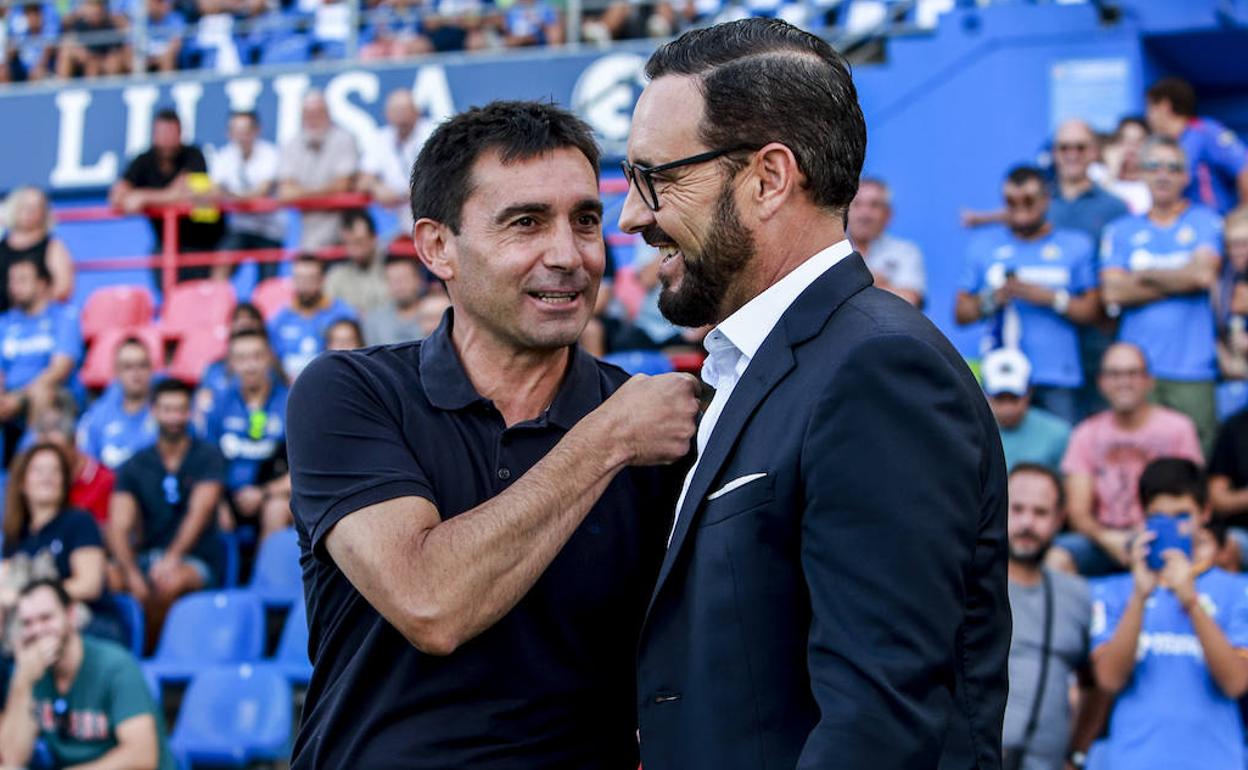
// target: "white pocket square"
[[734, 484]]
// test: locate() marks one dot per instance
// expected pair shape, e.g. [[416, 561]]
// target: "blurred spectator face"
[[343, 335], [359, 243], [242, 131], [24, 284], [44, 480], [249, 359], [1074, 150], [1159, 115], [34, 18], [157, 9], [172, 412], [1026, 206], [432, 308], [41, 617], [93, 12], [404, 282], [1129, 141], [1034, 516], [869, 213], [30, 211], [1124, 379], [529, 256], [1236, 237], [308, 280], [166, 136], [134, 372], [315, 117], [401, 112], [1009, 409], [1165, 171]]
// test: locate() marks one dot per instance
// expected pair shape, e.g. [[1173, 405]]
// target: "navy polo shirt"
[[552, 683], [1087, 212]]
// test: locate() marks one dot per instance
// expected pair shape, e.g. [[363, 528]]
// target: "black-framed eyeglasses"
[[641, 177]]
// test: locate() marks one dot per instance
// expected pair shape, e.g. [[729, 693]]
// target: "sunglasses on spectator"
[[1122, 373], [1073, 147], [1174, 167], [1021, 201], [642, 177]]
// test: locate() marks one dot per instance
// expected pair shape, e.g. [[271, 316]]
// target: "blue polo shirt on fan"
[[112, 435], [297, 339], [1063, 259], [1172, 715], [247, 438], [1215, 158], [28, 342], [1177, 332]]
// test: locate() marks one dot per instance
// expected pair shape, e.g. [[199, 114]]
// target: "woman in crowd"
[[28, 235]]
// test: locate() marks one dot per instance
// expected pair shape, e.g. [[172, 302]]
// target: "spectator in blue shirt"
[[34, 37], [120, 421], [297, 332], [1173, 643], [248, 425], [216, 377], [165, 31], [1217, 159], [531, 22], [39, 348], [1158, 271], [1033, 283]]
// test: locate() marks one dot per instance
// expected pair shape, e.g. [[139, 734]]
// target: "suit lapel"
[[803, 320]]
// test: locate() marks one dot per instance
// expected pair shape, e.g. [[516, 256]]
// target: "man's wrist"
[[988, 303], [1061, 301]]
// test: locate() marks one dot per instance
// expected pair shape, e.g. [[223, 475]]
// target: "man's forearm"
[[19, 730], [1184, 280], [1128, 291], [1114, 662], [1228, 502], [1089, 717], [1227, 667]]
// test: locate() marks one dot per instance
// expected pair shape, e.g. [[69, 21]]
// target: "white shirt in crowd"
[[239, 176], [390, 159], [735, 342]]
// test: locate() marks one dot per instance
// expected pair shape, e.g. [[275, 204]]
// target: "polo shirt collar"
[[447, 385]]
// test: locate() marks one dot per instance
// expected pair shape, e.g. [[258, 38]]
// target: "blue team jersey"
[[1063, 259], [1215, 157], [247, 438], [1172, 715], [28, 342], [110, 434], [1177, 332], [297, 340]]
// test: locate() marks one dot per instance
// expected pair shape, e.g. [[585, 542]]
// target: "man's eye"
[[525, 222]]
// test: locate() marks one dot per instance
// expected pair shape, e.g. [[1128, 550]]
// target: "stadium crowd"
[[1111, 288]]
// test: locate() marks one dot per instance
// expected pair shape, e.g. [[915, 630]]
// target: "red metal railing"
[[170, 259]]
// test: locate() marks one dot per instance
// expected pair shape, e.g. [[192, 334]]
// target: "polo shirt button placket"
[[504, 473]]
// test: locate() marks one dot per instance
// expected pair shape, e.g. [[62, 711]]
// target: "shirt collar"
[[747, 328], [447, 386]]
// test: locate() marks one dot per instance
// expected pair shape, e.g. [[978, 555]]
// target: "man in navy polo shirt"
[[247, 422], [478, 542]]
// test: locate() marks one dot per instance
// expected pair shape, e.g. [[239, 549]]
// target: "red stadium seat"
[[99, 368], [196, 350], [272, 294], [196, 306], [116, 307]]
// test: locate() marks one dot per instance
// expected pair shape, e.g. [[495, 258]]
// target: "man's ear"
[[776, 179], [432, 240]]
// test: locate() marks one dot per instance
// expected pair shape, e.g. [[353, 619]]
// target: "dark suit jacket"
[[848, 609]]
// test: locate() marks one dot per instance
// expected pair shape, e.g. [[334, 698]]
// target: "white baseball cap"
[[1006, 370]]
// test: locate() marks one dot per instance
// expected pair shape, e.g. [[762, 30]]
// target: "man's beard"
[[308, 301], [1033, 559], [729, 248], [172, 435]]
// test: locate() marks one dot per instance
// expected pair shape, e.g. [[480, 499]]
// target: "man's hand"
[[34, 657], [165, 571], [1178, 576], [1116, 543], [1144, 578], [10, 406], [651, 419], [132, 202], [1031, 293], [248, 500], [136, 585]]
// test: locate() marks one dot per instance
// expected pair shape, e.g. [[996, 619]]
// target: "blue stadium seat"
[[234, 715], [153, 686], [292, 649], [127, 609], [278, 578], [640, 361], [205, 628]]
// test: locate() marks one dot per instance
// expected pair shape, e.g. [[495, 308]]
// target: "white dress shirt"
[[735, 342], [244, 176]]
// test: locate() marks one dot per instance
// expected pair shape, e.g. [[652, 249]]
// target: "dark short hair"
[[765, 80], [1178, 92], [1176, 476], [132, 340], [251, 115], [1021, 175], [1130, 120], [1048, 473], [62, 596], [442, 176], [351, 217], [354, 324], [402, 259], [171, 385], [248, 334], [41, 268], [307, 257], [167, 114], [247, 308]]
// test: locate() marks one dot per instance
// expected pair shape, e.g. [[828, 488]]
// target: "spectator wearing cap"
[[897, 264], [1105, 457], [1034, 285], [1028, 434]]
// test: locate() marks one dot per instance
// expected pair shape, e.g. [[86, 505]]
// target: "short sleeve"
[[1209, 231], [374, 157], [134, 172], [82, 531], [910, 273], [194, 161], [1083, 266], [346, 156], [85, 438], [129, 695], [971, 279], [1187, 443], [128, 477], [1113, 253], [1078, 457], [1237, 616], [266, 167], [209, 465], [349, 457], [1226, 152], [68, 337], [1108, 604], [288, 162]]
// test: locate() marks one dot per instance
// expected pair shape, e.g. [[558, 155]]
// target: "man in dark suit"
[[834, 590]]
